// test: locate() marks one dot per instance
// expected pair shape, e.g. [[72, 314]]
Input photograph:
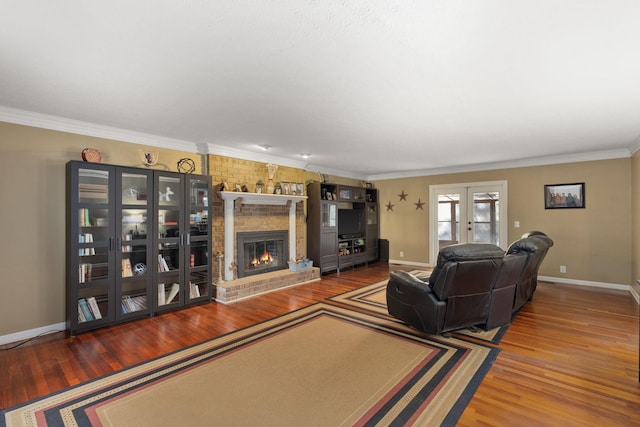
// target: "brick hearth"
[[245, 287]]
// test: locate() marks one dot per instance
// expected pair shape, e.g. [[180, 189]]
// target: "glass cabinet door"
[[198, 239], [372, 214], [170, 234], [92, 221], [328, 214], [133, 231]]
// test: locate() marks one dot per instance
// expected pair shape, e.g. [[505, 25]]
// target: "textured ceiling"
[[368, 88]]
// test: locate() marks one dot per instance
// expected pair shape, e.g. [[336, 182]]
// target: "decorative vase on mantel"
[[271, 169]]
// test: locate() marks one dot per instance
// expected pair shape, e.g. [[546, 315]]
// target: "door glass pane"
[[198, 255], [372, 214], [198, 222], [168, 257], [168, 223], [448, 219], [485, 217], [93, 303], [198, 284], [94, 261], [199, 189], [134, 224], [329, 214], [134, 189], [169, 191], [93, 186], [134, 296]]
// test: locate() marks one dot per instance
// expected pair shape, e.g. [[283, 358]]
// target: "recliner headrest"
[[469, 251], [530, 244]]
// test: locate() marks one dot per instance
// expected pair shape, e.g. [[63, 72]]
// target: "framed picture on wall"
[[564, 196]]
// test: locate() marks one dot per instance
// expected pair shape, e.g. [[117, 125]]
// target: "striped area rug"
[[322, 365], [373, 298]]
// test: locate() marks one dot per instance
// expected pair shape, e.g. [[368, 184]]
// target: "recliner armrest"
[[410, 283], [411, 300]]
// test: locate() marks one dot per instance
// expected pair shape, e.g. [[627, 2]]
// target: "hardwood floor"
[[570, 357]]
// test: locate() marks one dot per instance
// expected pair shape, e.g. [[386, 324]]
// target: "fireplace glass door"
[[260, 252]]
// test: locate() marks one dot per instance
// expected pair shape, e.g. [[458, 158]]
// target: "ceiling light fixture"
[[264, 147]]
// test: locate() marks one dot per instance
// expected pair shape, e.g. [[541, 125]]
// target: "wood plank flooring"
[[569, 358]]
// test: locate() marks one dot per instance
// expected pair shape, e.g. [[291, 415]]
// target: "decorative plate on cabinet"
[[91, 155]]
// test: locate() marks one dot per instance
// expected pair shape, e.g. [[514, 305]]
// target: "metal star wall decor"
[[403, 196], [390, 206], [420, 204]]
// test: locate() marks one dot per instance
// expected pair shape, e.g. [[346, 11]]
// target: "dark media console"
[[342, 225]]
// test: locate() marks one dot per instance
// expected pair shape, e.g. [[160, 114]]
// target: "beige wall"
[[32, 190], [635, 218], [594, 243]]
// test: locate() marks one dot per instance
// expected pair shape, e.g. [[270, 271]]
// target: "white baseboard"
[[31, 333], [635, 294], [585, 283], [402, 262]]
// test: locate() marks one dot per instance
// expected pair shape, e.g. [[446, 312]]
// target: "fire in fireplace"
[[262, 251]]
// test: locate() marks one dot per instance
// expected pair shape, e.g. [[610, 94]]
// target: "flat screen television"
[[350, 222]]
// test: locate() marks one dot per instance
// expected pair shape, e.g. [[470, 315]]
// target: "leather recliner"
[[535, 245], [471, 285], [456, 295]]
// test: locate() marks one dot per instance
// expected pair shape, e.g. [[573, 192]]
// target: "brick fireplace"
[[248, 214]]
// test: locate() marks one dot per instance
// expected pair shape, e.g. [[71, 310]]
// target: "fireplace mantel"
[[232, 197], [260, 198]]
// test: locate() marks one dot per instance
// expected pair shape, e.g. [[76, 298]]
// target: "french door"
[[470, 212]]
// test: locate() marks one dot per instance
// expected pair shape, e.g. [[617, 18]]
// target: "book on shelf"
[[127, 271], [85, 220], [84, 272], [172, 293], [93, 306], [162, 296], [84, 307], [194, 290], [133, 303], [162, 264], [126, 238], [86, 238], [139, 302]]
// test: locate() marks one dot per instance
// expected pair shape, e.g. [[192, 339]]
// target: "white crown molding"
[[61, 124], [236, 153], [518, 163], [78, 127], [45, 121], [334, 172], [635, 146]]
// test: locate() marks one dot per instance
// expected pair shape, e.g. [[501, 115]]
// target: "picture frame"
[[564, 196], [300, 188]]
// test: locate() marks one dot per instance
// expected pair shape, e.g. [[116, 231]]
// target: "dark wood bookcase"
[[342, 225], [138, 243]]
